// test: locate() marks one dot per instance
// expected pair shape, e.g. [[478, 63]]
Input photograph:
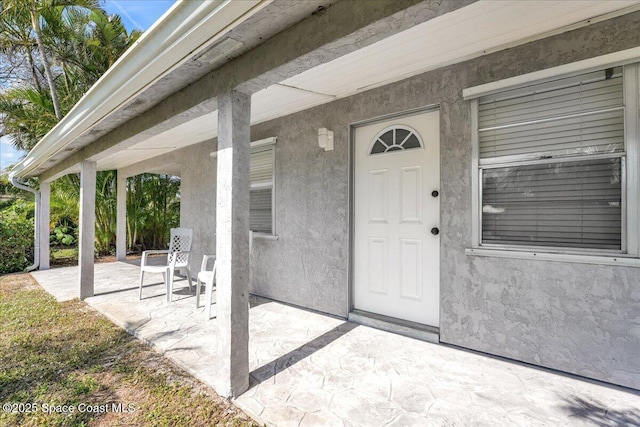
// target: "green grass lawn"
[[62, 255], [56, 358]]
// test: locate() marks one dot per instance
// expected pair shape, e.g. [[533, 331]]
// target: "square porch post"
[[232, 243], [121, 217], [87, 227], [45, 215]]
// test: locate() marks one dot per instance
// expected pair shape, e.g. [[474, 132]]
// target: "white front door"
[[397, 218]]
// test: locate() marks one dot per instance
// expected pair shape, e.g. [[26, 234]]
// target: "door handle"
[[435, 231]]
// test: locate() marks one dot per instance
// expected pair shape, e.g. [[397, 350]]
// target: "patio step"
[[396, 326]]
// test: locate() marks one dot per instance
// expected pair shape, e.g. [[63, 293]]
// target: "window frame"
[[260, 146], [630, 164]]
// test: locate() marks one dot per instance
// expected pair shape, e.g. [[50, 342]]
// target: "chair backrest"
[[181, 239], [212, 278], [205, 261]]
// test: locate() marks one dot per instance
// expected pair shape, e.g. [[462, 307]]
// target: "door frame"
[[351, 160]]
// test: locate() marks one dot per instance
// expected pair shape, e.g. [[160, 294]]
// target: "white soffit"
[[278, 100], [128, 157], [267, 104], [469, 32], [193, 132], [198, 130]]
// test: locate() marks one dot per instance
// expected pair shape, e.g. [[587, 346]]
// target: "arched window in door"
[[395, 138]]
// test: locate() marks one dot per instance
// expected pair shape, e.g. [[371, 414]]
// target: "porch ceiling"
[[472, 31]]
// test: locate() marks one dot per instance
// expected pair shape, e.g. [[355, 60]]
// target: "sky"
[[8, 154], [135, 14], [138, 14]]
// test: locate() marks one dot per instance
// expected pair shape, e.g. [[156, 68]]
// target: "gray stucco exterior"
[[578, 318]]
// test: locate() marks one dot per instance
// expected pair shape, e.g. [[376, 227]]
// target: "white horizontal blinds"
[[261, 171], [261, 195], [575, 204], [529, 198], [581, 115], [260, 219]]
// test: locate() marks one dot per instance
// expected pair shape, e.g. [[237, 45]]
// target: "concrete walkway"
[[315, 370]]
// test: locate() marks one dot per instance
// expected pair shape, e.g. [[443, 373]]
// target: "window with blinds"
[[551, 164], [261, 195]]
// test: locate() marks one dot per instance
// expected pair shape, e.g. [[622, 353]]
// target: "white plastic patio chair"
[[177, 259], [208, 277]]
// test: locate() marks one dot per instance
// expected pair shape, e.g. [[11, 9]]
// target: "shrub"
[[63, 235], [16, 238]]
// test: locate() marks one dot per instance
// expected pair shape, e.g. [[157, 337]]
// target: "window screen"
[[551, 158]]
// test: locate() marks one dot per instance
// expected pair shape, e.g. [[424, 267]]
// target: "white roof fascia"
[[174, 38]]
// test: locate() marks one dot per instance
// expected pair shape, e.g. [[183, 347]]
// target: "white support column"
[[232, 243], [87, 227], [44, 221], [121, 218]]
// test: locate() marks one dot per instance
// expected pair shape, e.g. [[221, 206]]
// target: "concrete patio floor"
[[308, 369]]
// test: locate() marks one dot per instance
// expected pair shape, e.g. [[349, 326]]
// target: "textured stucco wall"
[[577, 318], [308, 264], [198, 200]]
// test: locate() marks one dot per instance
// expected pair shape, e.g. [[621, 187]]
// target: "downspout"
[[36, 222]]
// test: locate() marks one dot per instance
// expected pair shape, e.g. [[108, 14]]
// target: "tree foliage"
[[39, 13], [51, 53], [153, 207], [81, 42], [16, 235]]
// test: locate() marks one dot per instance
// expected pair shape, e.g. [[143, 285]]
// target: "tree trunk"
[[47, 69], [34, 71]]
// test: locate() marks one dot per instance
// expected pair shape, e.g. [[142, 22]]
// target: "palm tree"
[[87, 43], [16, 48], [83, 43], [106, 210], [153, 207], [36, 10], [27, 115]]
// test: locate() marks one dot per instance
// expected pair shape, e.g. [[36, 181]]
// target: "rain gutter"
[[36, 221]]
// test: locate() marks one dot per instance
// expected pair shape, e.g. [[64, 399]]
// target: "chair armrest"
[[205, 261], [156, 251], [145, 254]]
